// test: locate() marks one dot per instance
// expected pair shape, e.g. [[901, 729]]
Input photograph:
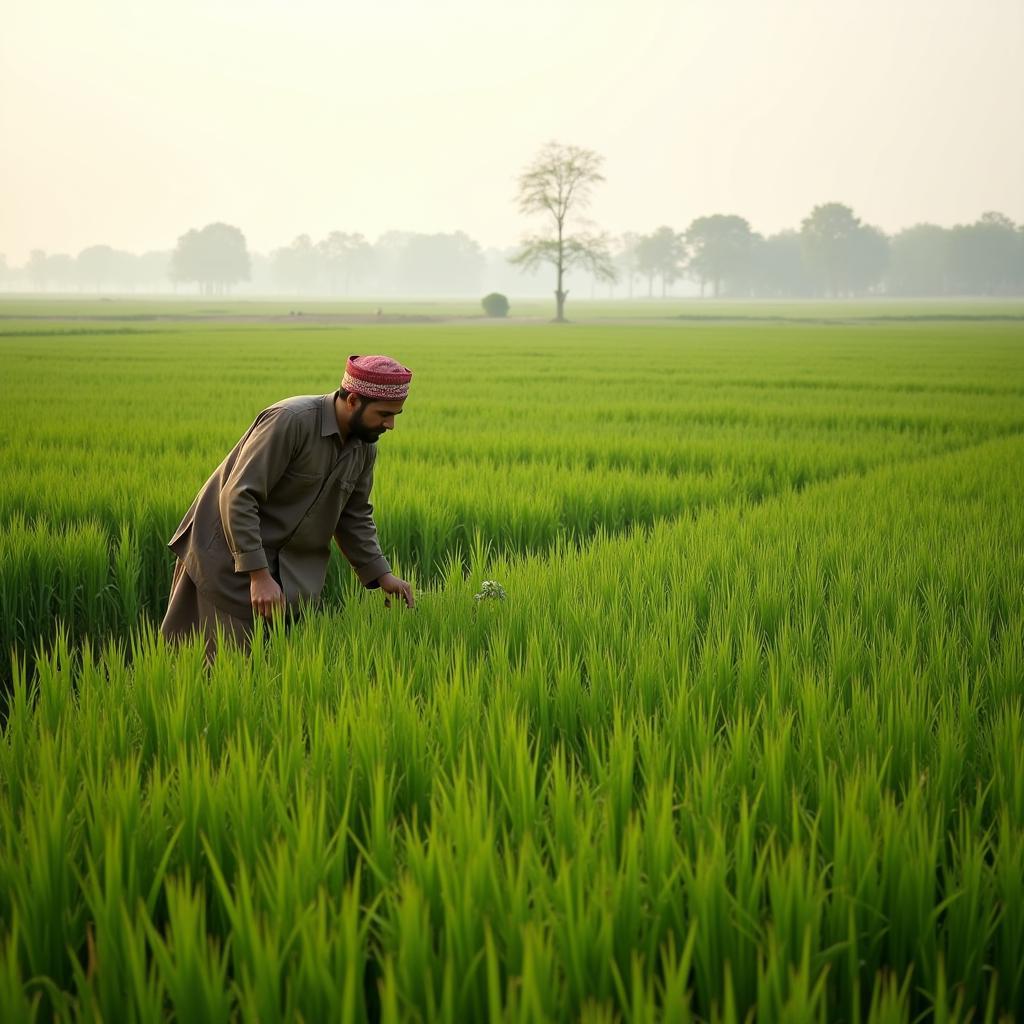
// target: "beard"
[[357, 428]]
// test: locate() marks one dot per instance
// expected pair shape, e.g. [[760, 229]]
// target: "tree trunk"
[[560, 304], [560, 293]]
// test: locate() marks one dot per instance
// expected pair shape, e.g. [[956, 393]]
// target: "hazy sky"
[[129, 121]]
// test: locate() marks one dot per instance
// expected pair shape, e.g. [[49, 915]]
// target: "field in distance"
[[169, 307]]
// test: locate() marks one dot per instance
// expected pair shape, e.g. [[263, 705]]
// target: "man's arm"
[[356, 532], [262, 460]]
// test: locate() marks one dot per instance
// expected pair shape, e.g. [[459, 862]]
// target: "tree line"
[[216, 260], [832, 254]]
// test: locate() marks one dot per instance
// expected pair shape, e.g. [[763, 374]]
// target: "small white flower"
[[490, 590]]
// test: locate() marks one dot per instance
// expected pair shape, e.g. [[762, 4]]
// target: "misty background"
[[371, 150], [832, 254]]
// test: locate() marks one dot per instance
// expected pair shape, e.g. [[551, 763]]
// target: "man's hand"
[[266, 596], [391, 584]]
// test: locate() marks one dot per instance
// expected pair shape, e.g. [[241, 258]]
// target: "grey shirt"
[[287, 487]]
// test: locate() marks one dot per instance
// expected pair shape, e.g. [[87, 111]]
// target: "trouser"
[[190, 611]]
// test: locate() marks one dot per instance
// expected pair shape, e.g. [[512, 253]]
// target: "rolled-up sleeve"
[[356, 532], [262, 460]]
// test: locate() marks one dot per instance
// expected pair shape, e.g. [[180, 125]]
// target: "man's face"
[[371, 419]]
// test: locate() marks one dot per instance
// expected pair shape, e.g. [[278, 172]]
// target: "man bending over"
[[256, 540]]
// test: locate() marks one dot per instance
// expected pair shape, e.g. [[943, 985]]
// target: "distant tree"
[[495, 304], [720, 250], [439, 264], [126, 272], [11, 276], [919, 261], [96, 266], [661, 254], [261, 273], [62, 270], [557, 185], [626, 258], [1018, 263], [825, 234], [847, 256], [984, 256], [38, 270], [215, 257], [778, 268], [101, 266], [344, 258], [298, 266], [869, 259], [387, 254], [153, 269]]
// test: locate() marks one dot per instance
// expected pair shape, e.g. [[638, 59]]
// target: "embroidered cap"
[[377, 377]]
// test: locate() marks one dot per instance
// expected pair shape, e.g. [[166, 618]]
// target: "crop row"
[[101, 455]]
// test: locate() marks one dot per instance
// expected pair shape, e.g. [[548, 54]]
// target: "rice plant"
[[744, 738]]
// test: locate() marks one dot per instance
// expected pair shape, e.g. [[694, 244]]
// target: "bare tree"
[[557, 183]]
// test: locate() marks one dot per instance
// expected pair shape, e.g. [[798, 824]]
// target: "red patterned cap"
[[377, 377]]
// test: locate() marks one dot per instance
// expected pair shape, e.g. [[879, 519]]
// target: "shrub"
[[495, 304]]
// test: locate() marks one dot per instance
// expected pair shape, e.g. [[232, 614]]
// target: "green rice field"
[[743, 742]]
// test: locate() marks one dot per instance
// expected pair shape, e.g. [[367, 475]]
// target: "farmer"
[[256, 540]]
